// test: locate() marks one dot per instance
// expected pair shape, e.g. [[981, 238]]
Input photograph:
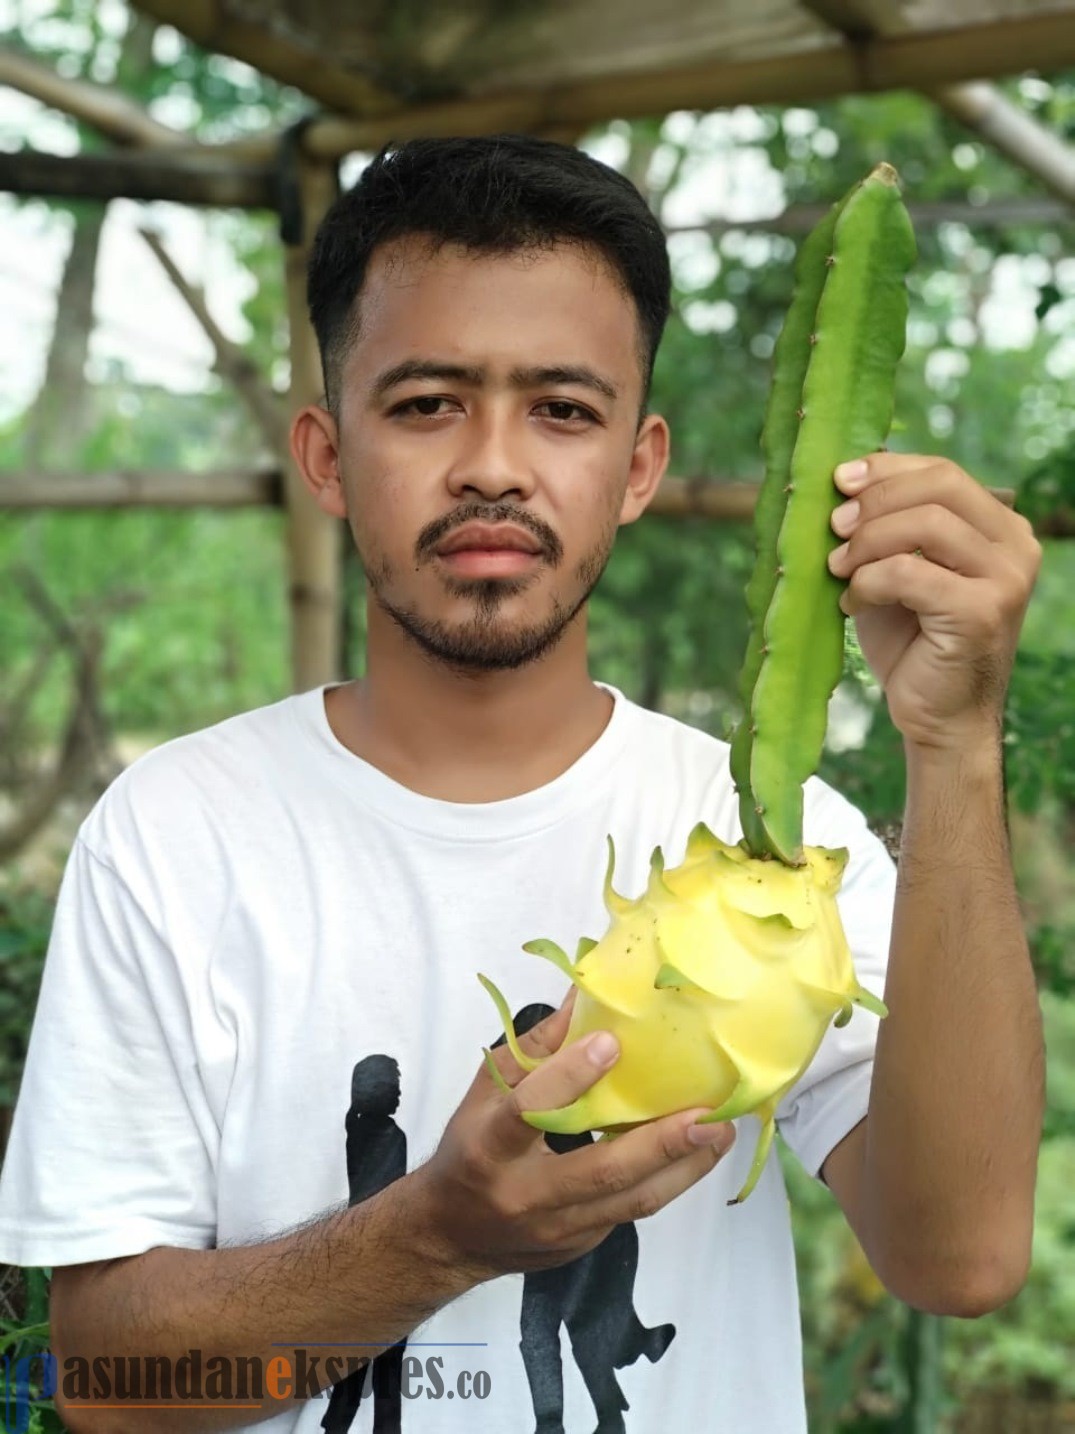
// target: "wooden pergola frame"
[[296, 175]]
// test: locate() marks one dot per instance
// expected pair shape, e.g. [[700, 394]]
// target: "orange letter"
[[277, 1375]]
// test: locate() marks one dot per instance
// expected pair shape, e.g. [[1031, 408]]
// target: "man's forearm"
[[958, 1090], [372, 1272]]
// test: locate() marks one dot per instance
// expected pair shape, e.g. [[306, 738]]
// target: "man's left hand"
[[939, 577]]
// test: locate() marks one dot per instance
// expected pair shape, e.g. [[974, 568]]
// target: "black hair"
[[494, 194]]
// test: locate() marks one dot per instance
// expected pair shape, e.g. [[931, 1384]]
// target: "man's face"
[[499, 389]]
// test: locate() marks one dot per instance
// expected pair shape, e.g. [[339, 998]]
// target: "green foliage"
[[27, 1338], [25, 921]]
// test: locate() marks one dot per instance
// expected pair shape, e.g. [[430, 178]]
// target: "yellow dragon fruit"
[[719, 983], [721, 980]]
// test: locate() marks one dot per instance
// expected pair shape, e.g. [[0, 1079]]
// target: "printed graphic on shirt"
[[376, 1155], [593, 1297]]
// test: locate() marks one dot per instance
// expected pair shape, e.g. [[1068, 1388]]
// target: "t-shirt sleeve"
[[833, 1094], [112, 1148]]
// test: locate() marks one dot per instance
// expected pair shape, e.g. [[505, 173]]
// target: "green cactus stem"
[[831, 400]]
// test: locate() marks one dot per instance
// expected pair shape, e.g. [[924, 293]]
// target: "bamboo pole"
[[143, 488], [719, 499], [177, 176], [219, 27], [981, 108], [214, 181], [917, 60], [314, 539], [986, 112], [801, 218], [104, 109], [875, 58]]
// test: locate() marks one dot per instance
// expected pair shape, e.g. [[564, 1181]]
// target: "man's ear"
[[648, 463], [315, 447]]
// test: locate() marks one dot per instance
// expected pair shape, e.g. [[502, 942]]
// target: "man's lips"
[[487, 538], [489, 550], [489, 562]]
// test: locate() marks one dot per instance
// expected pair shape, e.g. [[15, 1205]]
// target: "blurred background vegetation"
[[173, 620]]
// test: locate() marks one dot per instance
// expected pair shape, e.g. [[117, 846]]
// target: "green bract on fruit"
[[719, 982], [722, 979]]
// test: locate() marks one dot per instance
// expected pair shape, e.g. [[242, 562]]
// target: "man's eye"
[[426, 405], [563, 411]]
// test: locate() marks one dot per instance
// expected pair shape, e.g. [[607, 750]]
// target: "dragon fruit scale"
[[719, 982]]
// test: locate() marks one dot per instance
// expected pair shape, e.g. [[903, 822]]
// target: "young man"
[[269, 930]]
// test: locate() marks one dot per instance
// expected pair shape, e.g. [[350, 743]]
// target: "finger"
[[557, 1082], [610, 1167], [919, 585], [935, 532], [639, 1182], [911, 481]]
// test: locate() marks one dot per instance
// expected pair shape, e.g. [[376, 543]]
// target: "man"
[[252, 909]]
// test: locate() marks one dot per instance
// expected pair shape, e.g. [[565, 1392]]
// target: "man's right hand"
[[498, 1200]]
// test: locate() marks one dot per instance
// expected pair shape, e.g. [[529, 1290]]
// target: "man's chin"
[[480, 644]]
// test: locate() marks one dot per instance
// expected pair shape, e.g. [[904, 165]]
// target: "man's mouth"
[[489, 550], [489, 562]]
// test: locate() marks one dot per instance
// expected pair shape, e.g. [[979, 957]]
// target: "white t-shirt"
[[251, 911]]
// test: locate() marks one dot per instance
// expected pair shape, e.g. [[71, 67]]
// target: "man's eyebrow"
[[579, 374], [426, 368], [535, 377]]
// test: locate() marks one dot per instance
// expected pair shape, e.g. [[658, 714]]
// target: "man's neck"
[[471, 739]]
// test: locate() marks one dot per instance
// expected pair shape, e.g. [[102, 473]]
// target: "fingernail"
[[714, 1134], [602, 1048], [846, 516], [837, 556], [852, 472]]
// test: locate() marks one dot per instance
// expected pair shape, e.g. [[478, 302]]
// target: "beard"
[[487, 640]]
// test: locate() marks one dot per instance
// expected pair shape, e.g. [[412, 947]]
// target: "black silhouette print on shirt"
[[376, 1155], [593, 1297]]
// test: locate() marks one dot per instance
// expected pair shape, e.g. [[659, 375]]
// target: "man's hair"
[[497, 195]]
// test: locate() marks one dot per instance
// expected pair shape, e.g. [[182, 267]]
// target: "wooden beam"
[[314, 538], [987, 48], [719, 499], [211, 180], [1012, 132], [801, 218], [981, 108], [914, 59], [106, 110], [183, 178], [207, 23], [128, 488]]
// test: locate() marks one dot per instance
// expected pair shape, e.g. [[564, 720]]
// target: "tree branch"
[[232, 362]]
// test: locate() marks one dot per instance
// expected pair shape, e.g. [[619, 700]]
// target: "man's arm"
[[938, 1181], [372, 1270], [492, 1199]]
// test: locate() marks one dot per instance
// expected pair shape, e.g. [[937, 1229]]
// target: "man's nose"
[[494, 461]]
